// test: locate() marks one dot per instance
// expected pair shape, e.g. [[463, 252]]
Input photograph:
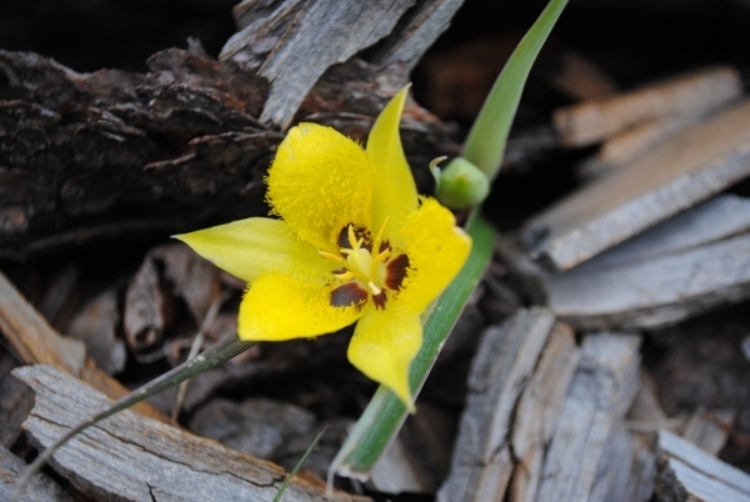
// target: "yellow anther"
[[330, 256], [375, 290]]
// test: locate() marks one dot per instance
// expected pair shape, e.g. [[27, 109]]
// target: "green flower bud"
[[461, 185]]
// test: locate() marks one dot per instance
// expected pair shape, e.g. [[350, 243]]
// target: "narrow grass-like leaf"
[[383, 417], [223, 351], [485, 144], [297, 467]]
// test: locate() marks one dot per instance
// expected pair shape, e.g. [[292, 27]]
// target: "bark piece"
[[506, 358], [709, 430], [128, 457], [149, 154], [33, 339], [580, 78], [16, 401], [688, 168], [694, 92], [297, 56], [40, 488], [627, 469], [416, 32], [36, 342], [538, 410], [688, 473], [625, 147], [194, 279], [602, 390], [96, 325], [678, 269], [149, 308]]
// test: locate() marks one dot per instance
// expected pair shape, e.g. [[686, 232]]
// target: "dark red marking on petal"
[[385, 245], [348, 295], [360, 232], [395, 271], [341, 270], [380, 300]]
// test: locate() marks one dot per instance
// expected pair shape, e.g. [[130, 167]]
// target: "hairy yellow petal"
[[280, 307], [383, 346], [319, 182], [255, 246], [395, 194], [437, 250]]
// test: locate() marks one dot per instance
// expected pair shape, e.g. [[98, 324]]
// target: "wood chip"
[[149, 308], [40, 489], [602, 390], [688, 473], [481, 467], [694, 92], [36, 342], [686, 169], [128, 457], [709, 430], [538, 411], [678, 269], [96, 325], [33, 339], [16, 401], [580, 78], [288, 38]]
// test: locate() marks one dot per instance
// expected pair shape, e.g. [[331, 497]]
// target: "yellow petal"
[[437, 250], [395, 194], [255, 246], [383, 346], [281, 307], [320, 182]]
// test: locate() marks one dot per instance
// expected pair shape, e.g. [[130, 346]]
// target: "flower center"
[[365, 274]]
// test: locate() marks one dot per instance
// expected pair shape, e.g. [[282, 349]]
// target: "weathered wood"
[[128, 457], [579, 78], [33, 339], [626, 471], [538, 410], [688, 473], [150, 154], [694, 92], [16, 401], [675, 270], [40, 488], [37, 343], [296, 55], [96, 325], [416, 32], [602, 390], [686, 169], [507, 355], [709, 430], [625, 147]]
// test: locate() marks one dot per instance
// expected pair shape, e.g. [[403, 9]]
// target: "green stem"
[[384, 415]]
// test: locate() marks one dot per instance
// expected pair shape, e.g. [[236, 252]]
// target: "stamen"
[[330, 256], [344, 276], [382, 256], [375, 290], [353, 238], [379, 238]]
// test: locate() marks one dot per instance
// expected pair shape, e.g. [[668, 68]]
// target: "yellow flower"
[[354, 243]]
